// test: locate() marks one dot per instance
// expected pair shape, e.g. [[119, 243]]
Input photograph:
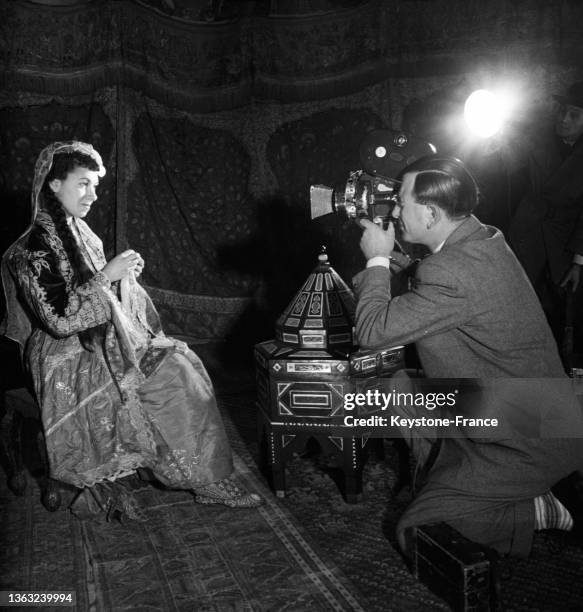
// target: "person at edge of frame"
[[546, 230]]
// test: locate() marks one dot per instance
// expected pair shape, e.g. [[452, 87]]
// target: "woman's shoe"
[[227, 493], [107, 498], [124, 506]]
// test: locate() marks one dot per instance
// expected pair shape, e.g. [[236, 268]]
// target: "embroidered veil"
[[16, 324]]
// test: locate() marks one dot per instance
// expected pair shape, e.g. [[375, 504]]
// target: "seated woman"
[[115, 393]]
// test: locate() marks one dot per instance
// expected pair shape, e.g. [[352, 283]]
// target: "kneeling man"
[[473, 314]]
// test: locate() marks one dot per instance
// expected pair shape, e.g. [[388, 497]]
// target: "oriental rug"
[[212, 558], [308, 551], [185, 557], [361, 537]]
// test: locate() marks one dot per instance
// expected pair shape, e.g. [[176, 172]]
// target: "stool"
[[301, 396], [16, 403]]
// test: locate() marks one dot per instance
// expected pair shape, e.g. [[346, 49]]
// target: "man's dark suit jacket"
[[547, 228], [472, 313]]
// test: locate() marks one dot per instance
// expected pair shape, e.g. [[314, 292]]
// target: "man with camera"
[[473, 314]]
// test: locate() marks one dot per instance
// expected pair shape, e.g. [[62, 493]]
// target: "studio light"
[[485, 112]]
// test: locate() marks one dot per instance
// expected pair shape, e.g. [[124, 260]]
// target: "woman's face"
[[76, 192]]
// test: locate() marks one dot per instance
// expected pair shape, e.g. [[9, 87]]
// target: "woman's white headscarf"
[[44, 163]]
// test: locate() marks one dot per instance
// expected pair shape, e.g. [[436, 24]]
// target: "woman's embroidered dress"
[[115, 393]]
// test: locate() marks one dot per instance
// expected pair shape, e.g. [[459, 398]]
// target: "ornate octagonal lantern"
[[304, 374]]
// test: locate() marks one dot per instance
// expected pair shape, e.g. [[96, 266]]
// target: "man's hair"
[[445, 182]]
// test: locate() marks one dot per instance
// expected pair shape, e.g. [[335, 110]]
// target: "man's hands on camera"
[[122, 264], [375, 241]]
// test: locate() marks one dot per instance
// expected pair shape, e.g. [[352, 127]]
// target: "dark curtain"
[[213, 126]]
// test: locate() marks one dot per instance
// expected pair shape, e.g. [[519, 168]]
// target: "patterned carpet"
[[361, 540], [185, 557], [352, 534], [193, 557], [308, 551]]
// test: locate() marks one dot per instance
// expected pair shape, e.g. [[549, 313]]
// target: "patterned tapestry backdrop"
[[213, 125]]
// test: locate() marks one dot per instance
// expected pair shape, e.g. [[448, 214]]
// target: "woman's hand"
[[122, 264], [139, 265]]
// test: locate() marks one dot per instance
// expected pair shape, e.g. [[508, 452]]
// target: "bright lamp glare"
[[485, 112]]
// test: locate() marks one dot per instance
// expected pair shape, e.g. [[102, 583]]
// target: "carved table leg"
[[274, 461], [354, 458]]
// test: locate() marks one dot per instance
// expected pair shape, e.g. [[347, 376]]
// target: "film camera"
[[372, 192]]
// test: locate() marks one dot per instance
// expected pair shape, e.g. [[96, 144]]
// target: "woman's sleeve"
[[62, 311]]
